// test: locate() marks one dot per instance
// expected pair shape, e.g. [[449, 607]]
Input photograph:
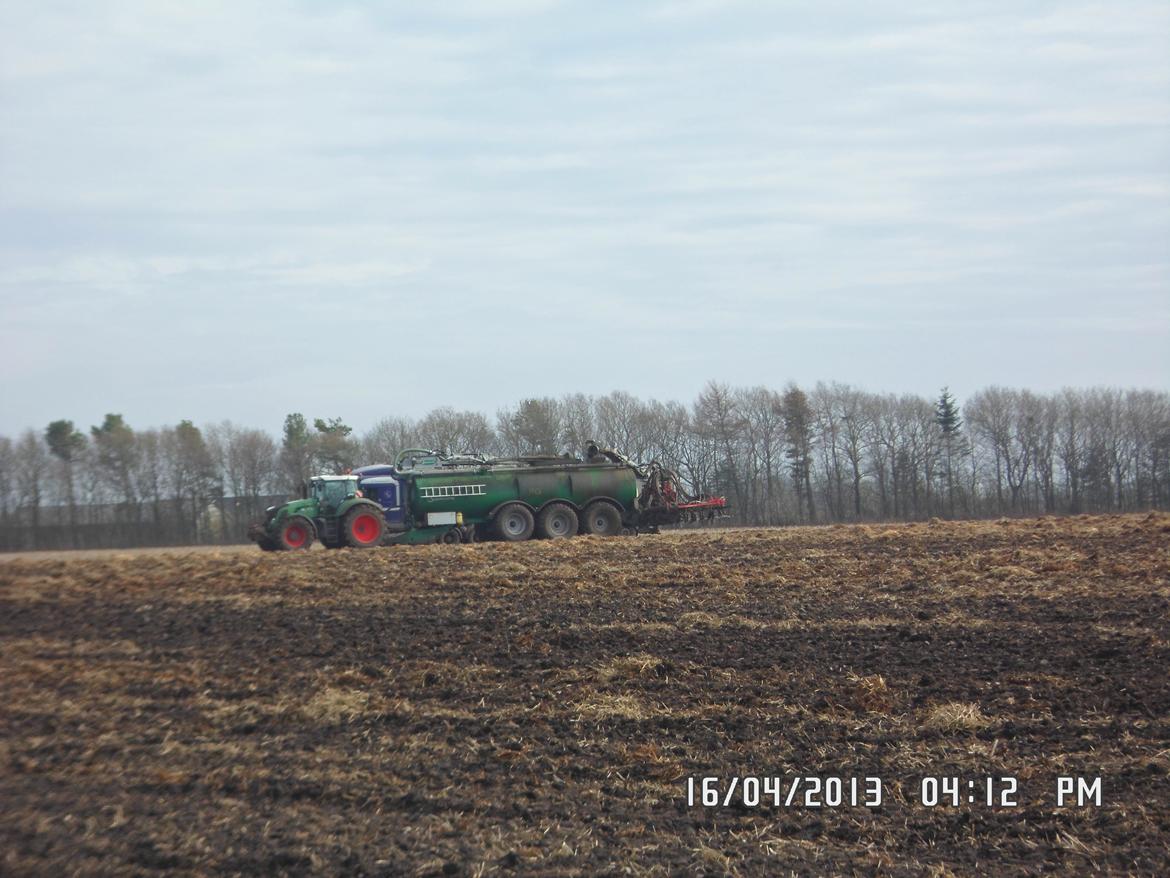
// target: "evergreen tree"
[[117, 451], [535, 423], [950, 424], [66, 443], [946, 414], [798, 431], [296, 450], [194, 478], [333, 450]]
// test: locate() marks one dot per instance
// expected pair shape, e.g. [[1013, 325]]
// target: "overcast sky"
[[240, 210]]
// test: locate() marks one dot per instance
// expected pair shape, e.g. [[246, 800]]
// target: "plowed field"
[[539, 708]]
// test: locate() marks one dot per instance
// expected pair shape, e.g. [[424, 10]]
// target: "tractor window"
[[333, 492]]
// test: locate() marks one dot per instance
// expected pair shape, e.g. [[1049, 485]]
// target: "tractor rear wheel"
[[556, 521], [602, 519], [363, 527], [514, 523], [296, 533]]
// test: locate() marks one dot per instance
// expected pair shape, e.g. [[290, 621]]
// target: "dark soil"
[[538, 708]]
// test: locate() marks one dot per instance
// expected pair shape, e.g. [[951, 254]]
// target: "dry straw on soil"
[[538, 708]]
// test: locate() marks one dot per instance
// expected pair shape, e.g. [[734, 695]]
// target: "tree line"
[[831, 453]]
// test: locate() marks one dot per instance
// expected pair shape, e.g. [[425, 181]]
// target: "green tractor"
[[332, 510]]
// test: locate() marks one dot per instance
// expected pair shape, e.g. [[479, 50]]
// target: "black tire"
[[363, 526], [514, 523], [602, 519], [266, 545], [556, 522], [296, 534], [451, 537]]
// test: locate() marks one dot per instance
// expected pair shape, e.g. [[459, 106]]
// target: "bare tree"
[[1147, 422], [827, 428], [667, 426], [718, 419], [7, 478], [255, 455], [990, 414], [619, 423], [855, 431], [764, 418], [449, 430], [578, 423], [1070, 441], [31, 464], [150, 477], [387, 438]]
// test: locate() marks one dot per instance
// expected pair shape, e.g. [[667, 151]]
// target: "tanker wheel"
[[451, 537], [556, 521], [602, 519], [363, 527], [297, 533], [514, 523]]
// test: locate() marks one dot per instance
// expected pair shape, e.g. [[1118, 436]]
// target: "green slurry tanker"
[[429, 497]]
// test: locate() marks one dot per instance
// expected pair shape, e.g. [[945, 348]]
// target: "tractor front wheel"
[[363, 528], [296, 533]]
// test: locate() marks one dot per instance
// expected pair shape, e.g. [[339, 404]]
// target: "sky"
[[238, 210]]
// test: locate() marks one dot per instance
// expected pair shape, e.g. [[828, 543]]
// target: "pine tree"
[[535, 422], [798, 425], [296, 449], [116, 447], [66, 443], [333, 449], [194, 477], [950, 424]]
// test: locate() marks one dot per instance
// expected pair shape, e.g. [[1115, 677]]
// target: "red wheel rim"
[[365, 528], [295, 536]]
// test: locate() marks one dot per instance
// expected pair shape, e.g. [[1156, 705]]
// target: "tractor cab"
[[331, 491]]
